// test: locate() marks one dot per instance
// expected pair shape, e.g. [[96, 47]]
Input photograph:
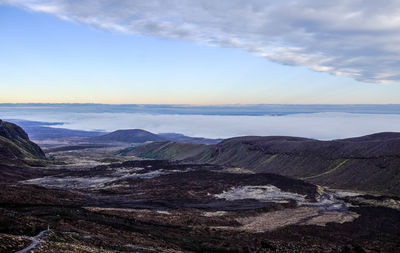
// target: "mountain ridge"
[[368, 163], [137, 136]]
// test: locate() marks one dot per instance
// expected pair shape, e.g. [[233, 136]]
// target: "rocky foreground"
[[160, 206]]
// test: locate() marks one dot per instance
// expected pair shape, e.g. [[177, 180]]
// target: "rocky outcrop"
[[16, 148]]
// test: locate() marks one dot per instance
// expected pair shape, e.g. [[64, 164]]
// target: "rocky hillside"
[[370, 163], [16, 148]]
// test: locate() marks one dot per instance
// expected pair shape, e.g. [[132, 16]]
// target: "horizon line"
[[194, 105]]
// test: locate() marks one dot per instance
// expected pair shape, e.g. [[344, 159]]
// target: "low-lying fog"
[[317, 123]]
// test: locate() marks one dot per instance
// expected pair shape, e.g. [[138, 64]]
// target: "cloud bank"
[[357, 38], [323, 126]]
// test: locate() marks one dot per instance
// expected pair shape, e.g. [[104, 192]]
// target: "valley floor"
[[107, 203]]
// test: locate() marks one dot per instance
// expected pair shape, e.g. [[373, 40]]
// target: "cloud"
[[324, 126], [357, 38]]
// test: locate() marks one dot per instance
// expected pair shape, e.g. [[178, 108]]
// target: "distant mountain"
[[369, 163], [15, 147], [127, 136], [186, 139], [46, 131], [141, 136], [50, 132], [377, 137]]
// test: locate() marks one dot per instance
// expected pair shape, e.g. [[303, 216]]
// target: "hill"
[[186, 139], [168, 151], [141, 136], [127, 136], [16, 148], [369, 163]]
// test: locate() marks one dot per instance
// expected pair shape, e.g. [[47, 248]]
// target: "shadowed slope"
[[369, 163], [127, 136], [16, 148]]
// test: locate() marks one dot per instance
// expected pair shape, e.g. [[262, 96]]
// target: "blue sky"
[[45, 58]]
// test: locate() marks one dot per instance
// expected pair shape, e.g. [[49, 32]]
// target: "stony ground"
[[159, 206]]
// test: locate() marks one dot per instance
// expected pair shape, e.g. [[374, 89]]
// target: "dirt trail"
[[35, 241]]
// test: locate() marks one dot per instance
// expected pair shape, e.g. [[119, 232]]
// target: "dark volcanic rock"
[[172, 212]]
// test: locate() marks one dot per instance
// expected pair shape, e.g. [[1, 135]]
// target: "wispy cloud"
[[358, 38]]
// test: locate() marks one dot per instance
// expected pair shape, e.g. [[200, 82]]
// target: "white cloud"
[[357, 38], [324, 126]]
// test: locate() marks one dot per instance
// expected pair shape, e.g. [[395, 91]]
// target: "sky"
[[200, 52]]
